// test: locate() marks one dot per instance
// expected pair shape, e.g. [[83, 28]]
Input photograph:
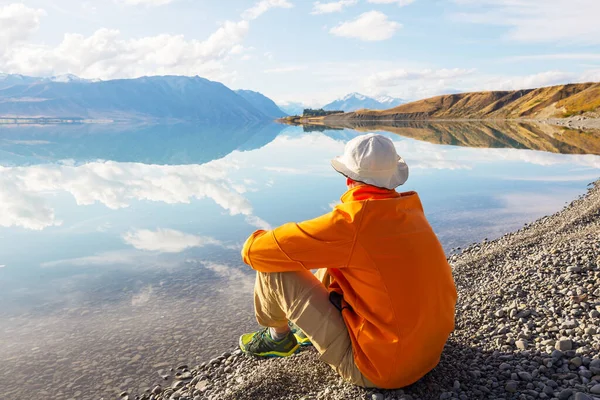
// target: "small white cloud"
[[146, 2], [285, 70], [263, 6], [17, 23], [401, 3], [547, 78], [331, 7], [551, 21], [386, 79], [166, 240], [2, 266], [370, 26], [558, 56]]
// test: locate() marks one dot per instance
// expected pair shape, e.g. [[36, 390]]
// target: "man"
[[381, 305]]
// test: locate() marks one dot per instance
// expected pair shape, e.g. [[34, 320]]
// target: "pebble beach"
[[527, 327]]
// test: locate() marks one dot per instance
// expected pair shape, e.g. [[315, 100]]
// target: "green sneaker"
[[261, 344], [301, 337]]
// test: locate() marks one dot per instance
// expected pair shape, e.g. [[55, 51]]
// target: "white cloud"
[[2, 266], [386, 79], [17, 23], [285, 70], [547, 78], [369, 26], [401, 3], [146, 2], [558, 56], [107, 54], [552, 21], [166, 240], [331, 7], [263, 6]]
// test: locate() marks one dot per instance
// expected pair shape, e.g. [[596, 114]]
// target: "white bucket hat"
[[372, 159]]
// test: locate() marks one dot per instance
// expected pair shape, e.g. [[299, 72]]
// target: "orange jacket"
[[391, 270]]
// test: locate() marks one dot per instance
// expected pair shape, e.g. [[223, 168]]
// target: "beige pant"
[[302, 298]]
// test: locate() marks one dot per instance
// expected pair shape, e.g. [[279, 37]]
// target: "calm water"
[[119, 253]]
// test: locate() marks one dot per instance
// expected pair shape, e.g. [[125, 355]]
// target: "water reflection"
[[131, 238], [484, 134]]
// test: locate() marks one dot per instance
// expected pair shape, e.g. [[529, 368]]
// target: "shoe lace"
[[260, 335]]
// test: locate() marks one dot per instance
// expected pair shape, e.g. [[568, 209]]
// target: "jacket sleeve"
[[323, 242]]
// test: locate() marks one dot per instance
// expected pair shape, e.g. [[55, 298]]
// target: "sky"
[[306, 51]]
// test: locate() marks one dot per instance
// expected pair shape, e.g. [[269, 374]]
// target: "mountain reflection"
[[157, 144], [484, 134]]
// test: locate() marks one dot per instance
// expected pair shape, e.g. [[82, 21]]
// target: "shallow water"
[[120, 244]]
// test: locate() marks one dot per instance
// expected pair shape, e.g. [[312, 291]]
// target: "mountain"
[[177, 98], [547, 102], [357, 101], [8, 80], [262, 103], [293, 108]]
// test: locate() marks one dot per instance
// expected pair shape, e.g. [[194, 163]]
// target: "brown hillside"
[[548, 102]]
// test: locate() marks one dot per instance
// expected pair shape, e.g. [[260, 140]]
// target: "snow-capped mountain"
[[8, 80], [357, 101], [293, 108]]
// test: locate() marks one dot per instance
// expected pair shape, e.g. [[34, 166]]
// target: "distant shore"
[[51, 121]]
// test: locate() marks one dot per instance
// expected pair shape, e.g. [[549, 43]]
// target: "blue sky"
[[313, 52]]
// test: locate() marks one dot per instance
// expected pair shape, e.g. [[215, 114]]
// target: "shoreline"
[[527, 326], [579, 122]]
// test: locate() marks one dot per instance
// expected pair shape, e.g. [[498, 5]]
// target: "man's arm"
[[326, 241]]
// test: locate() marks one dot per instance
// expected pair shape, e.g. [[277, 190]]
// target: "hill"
[[548, 102], [178, 98], [262, 103], [357, 101]]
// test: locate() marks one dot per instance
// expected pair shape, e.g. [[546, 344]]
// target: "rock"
[[177, 384], [183, 376], [157, 390], [521, 344], [595, 366], [201, 386], [581, 396], [511, 386], [565, 394], [564, 345], [526, 376], [595, 389], [576, 362], [504, 366], [377, 396]]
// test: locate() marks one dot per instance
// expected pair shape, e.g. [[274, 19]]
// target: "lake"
[[120, 244]]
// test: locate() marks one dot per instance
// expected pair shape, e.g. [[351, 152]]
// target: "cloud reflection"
[[115, 185], [168, 240]]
